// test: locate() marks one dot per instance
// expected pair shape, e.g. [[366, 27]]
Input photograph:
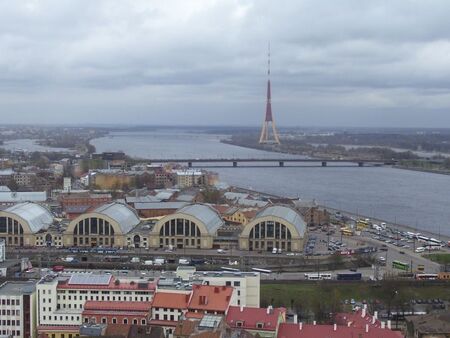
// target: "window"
[[125, 320], [237, 283], [259, 325], [104, 321], [239, 324], [143, 322], [114, 321]]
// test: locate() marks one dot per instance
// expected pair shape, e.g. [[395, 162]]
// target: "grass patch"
[[308, 294], [441, 258]]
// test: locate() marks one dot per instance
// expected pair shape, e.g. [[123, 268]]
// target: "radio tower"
[[268, 137]]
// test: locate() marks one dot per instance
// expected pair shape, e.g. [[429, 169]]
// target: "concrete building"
[[193, 226], [275, 226], [190, 178], [21, 224], [62, 299], [18, 309], [106, 225]]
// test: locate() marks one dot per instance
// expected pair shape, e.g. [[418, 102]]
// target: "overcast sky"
[[343, 63]]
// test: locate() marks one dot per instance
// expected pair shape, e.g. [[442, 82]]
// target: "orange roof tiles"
[[210, 298], [170, 300]]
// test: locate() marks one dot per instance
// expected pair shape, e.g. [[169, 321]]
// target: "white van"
[[135, 260], [420, 249], [148, 262], [159, 261]]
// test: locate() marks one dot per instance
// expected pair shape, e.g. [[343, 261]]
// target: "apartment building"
[[18, 309]]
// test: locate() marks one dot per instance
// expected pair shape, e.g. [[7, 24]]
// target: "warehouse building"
[[107, 225], [193, 226], [275, 226]]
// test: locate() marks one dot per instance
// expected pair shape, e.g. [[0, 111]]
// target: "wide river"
[[417, 199]]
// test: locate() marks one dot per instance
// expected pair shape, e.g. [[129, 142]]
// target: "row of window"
[[93, 226], [104, 298], [270, 229], [104, 320], [9, 333], [10, 322], [55, 318], [10, 226], [10, 302], [10, 312], [180, 227]]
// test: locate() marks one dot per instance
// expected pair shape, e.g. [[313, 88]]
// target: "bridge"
[[270, 162]]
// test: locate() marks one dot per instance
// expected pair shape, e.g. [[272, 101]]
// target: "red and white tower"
[[269, 134]]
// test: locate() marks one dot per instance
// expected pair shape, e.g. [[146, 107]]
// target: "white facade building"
[[18, 309]]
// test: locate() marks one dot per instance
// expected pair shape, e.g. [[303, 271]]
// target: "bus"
[[427, 276], [347, 232], [316, 276], [262, 270], [400, 265], [349, 276]]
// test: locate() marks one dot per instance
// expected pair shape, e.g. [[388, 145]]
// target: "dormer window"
[[259, 325], [239, 324]]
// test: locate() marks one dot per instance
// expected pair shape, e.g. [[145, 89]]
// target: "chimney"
[[300, 326], [314, 322], [334, 327], [383, 325], [375, 314], [389, 324], [373, 320], [363, 312], [242, 308], [367, 328], [349, 323]]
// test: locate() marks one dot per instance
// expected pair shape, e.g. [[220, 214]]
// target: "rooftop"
[[14, 288], [170, 300], [206, 214], [286, 213], [125, 216], [431, 323], [159, 205], [37, 217], [99, 283], [250, 317], [210, 298], [291, 330], [22, 196]]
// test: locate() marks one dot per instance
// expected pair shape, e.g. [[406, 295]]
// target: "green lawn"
[[441, 258], [308, 294]]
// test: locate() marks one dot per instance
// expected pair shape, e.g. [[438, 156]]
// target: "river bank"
[[396, 226]]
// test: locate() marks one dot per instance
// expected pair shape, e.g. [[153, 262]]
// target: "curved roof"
[[286, 213], [206, 214], [125, 216], [37, 217]]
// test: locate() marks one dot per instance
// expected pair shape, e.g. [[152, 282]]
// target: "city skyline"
[[204, 63]]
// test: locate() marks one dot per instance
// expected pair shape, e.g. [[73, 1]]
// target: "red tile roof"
[[355, 319], [194, 315], [121, 285], [250, 317], [290, 330], [210, 298], [117, 306], [170, 300]]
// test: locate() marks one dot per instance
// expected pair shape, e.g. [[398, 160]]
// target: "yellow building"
[[241, 216]]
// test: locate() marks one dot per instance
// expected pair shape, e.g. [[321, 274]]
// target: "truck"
[[349, 276]]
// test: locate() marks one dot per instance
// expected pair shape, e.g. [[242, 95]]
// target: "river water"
[[417, 199]]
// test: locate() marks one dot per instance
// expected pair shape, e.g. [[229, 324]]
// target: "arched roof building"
[[276, 226], [20, 222], [105, 226], [193, 226]]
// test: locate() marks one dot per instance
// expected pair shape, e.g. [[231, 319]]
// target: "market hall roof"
[[124, 215], [206, 214], [286, 213], [37, 216]]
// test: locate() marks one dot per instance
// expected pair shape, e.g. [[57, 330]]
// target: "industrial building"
[[193, 226], [275, 226], [115, 224]]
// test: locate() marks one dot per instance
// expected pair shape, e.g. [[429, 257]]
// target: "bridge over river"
[[271, 162]]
